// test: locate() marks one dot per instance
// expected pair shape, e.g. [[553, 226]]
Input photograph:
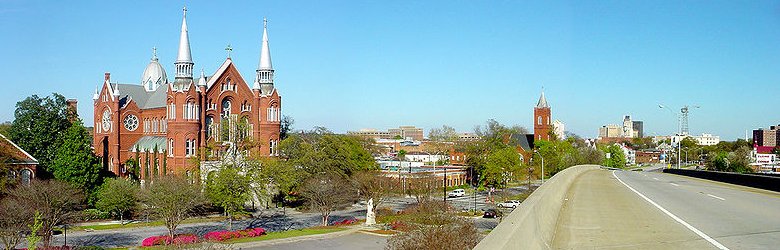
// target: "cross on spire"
[[185, 10], [154, 53], [229, 49], [265, 22]]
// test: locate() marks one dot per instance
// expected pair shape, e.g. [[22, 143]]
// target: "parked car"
[[509, 203], [492, 213], [457, 193]]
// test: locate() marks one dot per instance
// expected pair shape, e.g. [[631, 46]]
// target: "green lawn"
[[289, 234], [144, 224]]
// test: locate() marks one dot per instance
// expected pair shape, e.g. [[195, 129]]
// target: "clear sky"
[[348, 65]]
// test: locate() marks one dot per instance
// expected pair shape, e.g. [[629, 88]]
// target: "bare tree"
[[326, 193], [172, 199], [421, 186], [374, 185], [56, 201], [457, 234], [14, 218]]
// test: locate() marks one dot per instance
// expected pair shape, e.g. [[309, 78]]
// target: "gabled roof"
[[525, 141], [18, 155]]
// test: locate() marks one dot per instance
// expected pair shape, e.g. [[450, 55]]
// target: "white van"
[[457, 193]]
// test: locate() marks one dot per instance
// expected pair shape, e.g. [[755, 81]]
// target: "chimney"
[[72, 107]]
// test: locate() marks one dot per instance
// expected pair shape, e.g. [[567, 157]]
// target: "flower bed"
[[166, 240], [227, 235], [344, 222]]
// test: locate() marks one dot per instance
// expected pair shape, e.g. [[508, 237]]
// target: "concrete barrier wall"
[[750, 180], [532, 224]]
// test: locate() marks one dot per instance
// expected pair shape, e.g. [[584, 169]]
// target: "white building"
[[610, 131], [706, 139], [628, 127], [629, 153], [424, 157], [558, 129]]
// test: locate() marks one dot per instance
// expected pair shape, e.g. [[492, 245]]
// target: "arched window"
[[26, 176], [539, 120], [225, 107], [209, 122]]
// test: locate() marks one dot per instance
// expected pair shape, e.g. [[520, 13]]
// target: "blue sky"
[[348, 65]]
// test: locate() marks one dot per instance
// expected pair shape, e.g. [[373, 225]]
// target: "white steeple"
[[96, 95], [264, 80], [542, 102], [184, 59]]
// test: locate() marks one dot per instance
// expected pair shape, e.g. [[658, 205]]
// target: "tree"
[[372, 184], [616, 157], [37, 127], [688, 142], [56, 201], [5, 127], [118, 196], [14, 218], [229, 189], [443, 134], [326, 193], [272, 176], [500, 167], [286, 127], [172, 199], [420, 186], [321, 151], [739, 160], [75, 162]]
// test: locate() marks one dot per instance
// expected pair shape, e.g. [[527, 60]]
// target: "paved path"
[[672, 212], [134, 236]]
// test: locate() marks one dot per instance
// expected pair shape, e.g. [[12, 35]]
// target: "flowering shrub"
[[344, 222], [166, 240], [226, 235], [398, 225]]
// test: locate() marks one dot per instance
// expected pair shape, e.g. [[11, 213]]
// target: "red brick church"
[[178, 118]]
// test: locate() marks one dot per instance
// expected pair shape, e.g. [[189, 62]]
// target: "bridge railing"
[[532, 224]]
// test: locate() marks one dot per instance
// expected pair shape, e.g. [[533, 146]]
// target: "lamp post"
[[679, 131], [540, 156]]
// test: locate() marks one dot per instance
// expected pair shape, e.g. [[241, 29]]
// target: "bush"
[[90, 248], [344, 222], [461, 234], [227, 235], [166, 240]]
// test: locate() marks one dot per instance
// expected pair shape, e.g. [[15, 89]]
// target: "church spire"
[[542, 102], [265, 72], [184, 59]]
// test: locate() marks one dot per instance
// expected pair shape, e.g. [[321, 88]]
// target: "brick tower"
[[542, 119]]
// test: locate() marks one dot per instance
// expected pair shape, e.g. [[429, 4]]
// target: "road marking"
[[674, 184], [716, 197], [655, 178], [697, 231]]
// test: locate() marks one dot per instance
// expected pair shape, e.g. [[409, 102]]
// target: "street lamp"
[[679, 132], [540, 156]]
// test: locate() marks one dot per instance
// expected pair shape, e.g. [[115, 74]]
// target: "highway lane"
[[733, 216]]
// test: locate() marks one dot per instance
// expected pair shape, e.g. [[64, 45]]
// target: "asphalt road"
[[649, 210], [737, 217], [352, 241]]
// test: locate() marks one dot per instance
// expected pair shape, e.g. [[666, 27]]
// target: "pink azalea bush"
[[226, 235], [166, 240], [344, 222]]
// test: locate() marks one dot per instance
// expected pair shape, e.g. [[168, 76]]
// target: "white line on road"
[[655, 178], [700, 233], [716, 197], [674, 184]]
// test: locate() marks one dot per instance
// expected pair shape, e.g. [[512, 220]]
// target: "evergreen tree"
[[76, 163], [146, 166], [155, 162], [165, 163]]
